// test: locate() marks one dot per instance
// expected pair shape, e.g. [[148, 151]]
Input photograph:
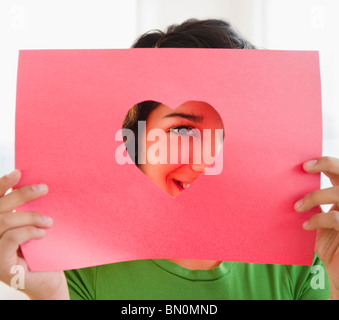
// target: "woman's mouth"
[[182, 185]]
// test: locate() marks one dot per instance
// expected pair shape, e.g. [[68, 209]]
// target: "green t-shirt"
[[165, 280]]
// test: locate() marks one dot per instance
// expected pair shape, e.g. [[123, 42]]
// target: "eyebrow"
[[191, 117]]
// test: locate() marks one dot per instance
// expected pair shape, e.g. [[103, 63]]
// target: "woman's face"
[[187, 120]]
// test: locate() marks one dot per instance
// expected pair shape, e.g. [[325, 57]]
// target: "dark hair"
[[193, 33]]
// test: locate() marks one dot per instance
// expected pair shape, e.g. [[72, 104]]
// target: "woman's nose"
[[198, 167]]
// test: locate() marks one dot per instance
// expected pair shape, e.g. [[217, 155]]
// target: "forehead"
[[199, 109]]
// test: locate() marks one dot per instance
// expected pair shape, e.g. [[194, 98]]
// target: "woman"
[[179, 161], [177, 279]]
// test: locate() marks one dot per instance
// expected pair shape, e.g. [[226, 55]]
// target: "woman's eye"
[[185, 131]]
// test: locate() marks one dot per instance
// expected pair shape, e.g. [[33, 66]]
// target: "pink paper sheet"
[[70, 104]]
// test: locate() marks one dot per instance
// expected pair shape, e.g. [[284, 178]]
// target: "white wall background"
[[67, 24]]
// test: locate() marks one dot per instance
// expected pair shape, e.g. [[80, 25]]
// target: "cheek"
[[157, 151], [159, 174], [183, 150]]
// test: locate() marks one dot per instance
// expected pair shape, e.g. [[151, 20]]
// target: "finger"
[[11, 220], [328, 220], [318, 197], [9, 181], [20, 196], [328, 165], [12, 239]]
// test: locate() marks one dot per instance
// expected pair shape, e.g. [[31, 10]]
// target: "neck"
[[196, 264]]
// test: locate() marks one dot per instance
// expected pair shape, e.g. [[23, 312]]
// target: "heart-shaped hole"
[[173, 147]]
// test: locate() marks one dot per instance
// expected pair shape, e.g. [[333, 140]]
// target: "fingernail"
[[298, 204], [306, 224], [47, 220], [40, 188], [12, 174], [310, 164]]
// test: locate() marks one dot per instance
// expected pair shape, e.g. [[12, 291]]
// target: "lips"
[[182, 185]]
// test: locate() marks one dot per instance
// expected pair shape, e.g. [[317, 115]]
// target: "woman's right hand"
[[17, 228]]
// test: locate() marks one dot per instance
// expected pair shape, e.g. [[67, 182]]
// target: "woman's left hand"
[[327, 224]]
